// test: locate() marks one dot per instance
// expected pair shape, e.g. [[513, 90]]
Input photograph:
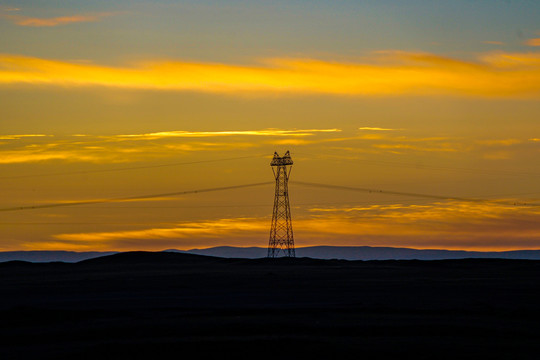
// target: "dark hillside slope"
[[147, 305], [155, 258]]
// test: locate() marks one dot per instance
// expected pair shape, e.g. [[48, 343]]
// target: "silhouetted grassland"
[[148, 305]]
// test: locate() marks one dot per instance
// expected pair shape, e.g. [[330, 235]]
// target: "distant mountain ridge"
[[316, 252], [50, 256], [368, 253]]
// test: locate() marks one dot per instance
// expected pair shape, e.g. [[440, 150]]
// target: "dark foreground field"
[[161, 305]]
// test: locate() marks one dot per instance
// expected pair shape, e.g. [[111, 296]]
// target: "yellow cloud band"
[[196, 134], [390, 73]]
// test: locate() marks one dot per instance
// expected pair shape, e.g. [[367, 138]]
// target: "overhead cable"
[[131, 198]]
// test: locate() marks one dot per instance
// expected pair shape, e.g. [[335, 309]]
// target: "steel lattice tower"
[[281, 233]]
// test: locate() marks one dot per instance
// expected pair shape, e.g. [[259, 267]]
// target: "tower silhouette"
[[281, 233]]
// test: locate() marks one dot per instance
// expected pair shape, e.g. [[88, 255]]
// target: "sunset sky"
[[120, 99]]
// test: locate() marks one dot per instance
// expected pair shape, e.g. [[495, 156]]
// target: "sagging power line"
[[401, 193], [132, 198], [301, 183]]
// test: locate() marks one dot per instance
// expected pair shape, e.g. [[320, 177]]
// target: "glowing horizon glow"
[[376, 225]]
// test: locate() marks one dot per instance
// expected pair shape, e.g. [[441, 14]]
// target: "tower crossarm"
[[281, 161]]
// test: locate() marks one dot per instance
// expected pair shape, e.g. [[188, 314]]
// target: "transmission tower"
[[281, 233]]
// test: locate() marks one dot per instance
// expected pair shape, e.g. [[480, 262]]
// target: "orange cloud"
[[61, 20], [450, 225], [533, 42], [387, 74], [203, 229]]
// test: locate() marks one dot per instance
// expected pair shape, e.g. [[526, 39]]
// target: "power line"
[[180, 207], [129, 168], [233, 206], [391, 192], [302, 183], [142, 197], [296, 205], [329, 186]]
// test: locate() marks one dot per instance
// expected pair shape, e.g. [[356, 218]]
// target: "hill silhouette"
[[315, 252], [146, 257]]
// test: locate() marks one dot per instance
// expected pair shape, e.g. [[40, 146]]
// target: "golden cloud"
[[291, 142], [378, 141], [55, 21], [111, 153], [439, 147], [23, 156], [452, 223], [136, 147], [385, 74], [21, 136], [265, 132], [500, 142], [376, 129], [199, 229], [25, 148]]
